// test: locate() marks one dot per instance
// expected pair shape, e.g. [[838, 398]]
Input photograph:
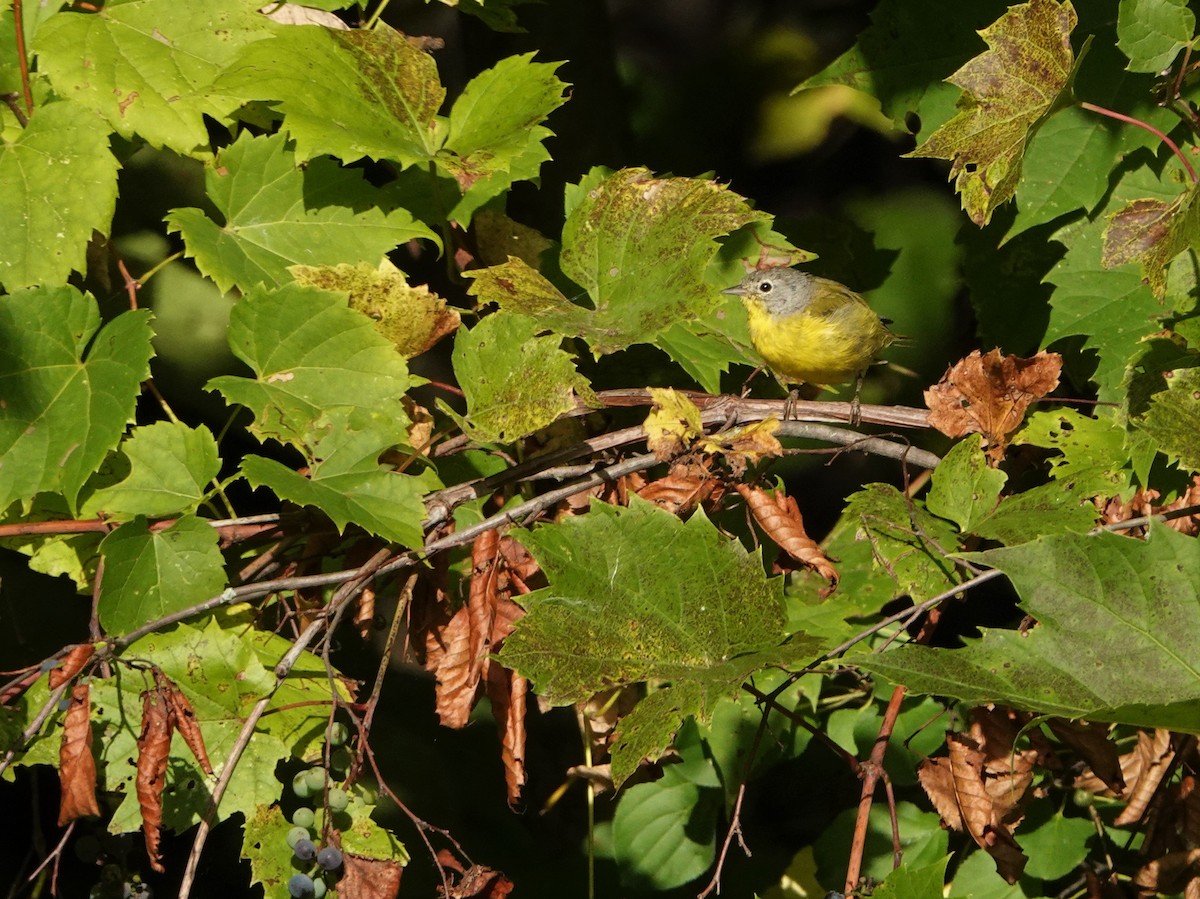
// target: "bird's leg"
[[789, 408], [746, 384], [855, 405]]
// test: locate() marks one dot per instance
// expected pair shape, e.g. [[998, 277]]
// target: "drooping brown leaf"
[[1143, 769], [154, 746], [77, 765], [369, 878], [780, 518], [475, 881], [685, 487], [1172, 874], [989, 395], [461, 649], [982, 817], [507, 691], [1091, 743], [183, 719], [71, 665], [934, 776]]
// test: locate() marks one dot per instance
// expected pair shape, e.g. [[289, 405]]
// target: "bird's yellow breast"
[[809, 348]]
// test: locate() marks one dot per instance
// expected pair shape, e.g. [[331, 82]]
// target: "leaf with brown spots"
[[1008, 91], [989, 395], [779, 516], [77, 765], [1152, 232], [154, 746]]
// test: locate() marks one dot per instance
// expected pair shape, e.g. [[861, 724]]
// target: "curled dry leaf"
[[1144, 769], [71, 665], [507, 691], [780, 518], [989, 395], [685, 487], [154, 746], [1141, 504], [1091, 743], [183, 719], [475, 881], [369, 878], [746, 445], [1174, 873], [77, 765]]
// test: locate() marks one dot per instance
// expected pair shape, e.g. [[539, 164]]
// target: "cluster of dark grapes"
[[312, 882]]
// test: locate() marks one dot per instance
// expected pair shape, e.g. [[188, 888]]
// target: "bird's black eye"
[[765, 287]]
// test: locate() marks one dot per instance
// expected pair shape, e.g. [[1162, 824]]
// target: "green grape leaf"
[[60, 185], [707, 347], [346, 480], [913, 880], [69, 388], [908, 542], [1071, 156], [148, 66], [149, 574], [1054, 843], [347, 94], [1152, 32], [1111, 307], [170, 468], [1045, 509], [32, 16], [1088, 447], [310, 353], [1008, 90], [1173, 417], [639, 246], [964, 487], [1114, 640], [514, 381], [276, 215], [636, 594], [1153, 232], [665, 831], [411, 318], [494, 134], [906, 51]]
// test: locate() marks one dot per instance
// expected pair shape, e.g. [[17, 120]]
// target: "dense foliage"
[[337, 390]]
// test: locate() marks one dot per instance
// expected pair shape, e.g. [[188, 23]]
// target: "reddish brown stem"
[[872, 771], [22, 57], [1121, 117]]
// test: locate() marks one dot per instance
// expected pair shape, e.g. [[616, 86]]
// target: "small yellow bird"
[[810, 329]]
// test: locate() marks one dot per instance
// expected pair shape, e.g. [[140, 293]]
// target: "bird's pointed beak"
[[737, 291]]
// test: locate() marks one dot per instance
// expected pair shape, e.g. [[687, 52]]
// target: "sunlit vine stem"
[[1121, 117], [22, 55]]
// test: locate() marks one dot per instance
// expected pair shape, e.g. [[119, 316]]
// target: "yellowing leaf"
[[673, 424], [1007, 92], [412, 318], [749, 442]]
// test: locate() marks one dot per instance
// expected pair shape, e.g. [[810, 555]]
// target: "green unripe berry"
[[304, 817]]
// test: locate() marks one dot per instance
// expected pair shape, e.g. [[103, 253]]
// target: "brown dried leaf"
[[1143, 769], [982, 819], [1091, 743], [474, 881], [460, 649], [71, 665], [989, 395], [369, 878], [938, 784], [780, 518], [77, 765], [1142, 504], [183, 719], [1171, 874], [154, 746], [507, 691]]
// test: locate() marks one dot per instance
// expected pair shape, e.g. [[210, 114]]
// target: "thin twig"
[[22, 55], [872, 771]]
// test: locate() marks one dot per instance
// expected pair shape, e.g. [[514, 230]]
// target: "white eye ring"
[[765, 287]]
